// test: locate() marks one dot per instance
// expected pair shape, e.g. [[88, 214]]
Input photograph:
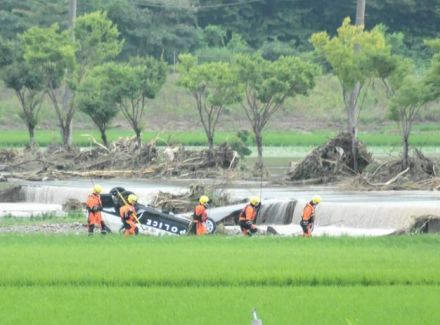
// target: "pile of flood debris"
[[331, 161], [420, 174], [185, 202], [123, 158]]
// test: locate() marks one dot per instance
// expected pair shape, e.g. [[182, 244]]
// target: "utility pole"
[[360, 12], [72, 14]]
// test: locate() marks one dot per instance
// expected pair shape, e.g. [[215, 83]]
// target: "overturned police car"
[[152, 221]]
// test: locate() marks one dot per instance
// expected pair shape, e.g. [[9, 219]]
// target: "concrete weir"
[[392, 216], [340, 213]]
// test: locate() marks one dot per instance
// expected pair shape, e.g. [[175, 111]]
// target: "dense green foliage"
[[170, 27], [162, 280]]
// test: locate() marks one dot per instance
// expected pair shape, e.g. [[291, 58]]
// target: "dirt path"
[[76, 228]]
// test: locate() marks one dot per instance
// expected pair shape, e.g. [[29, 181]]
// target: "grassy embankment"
[[218, 280]]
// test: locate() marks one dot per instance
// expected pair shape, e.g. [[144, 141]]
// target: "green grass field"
[[428, 136], [218, 280]]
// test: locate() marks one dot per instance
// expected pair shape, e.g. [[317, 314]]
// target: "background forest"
[[169, 27]]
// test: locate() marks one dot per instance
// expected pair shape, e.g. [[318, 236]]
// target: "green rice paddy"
[[218, 280], [420, 137]]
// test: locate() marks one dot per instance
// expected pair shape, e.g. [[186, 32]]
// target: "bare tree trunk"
[[210, 141], [405, 151], [31, 130], [137, 131], [259, 142], [67, 121], [66, 135], [103, 136]]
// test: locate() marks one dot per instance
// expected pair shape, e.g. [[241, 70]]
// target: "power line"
[[199, 7]]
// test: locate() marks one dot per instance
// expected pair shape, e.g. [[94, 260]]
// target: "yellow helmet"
[[203, 199], [132, 198], [97, 189], [316, 199], [255, 200]]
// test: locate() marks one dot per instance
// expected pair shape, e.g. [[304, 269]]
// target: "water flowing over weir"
[[339, 213], [58, 194]]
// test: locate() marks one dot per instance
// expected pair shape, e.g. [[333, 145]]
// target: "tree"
[[408, 94], [130, 84], [52, 53], [266, 86], [63, 63], [27, 85], [408, 99], [95, 101], [213, 86], [350, 56], [97, 41]]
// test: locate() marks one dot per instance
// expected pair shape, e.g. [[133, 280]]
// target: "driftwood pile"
[[331, 161], [199, 163], [180, 203], [421, 174], [123, 158]]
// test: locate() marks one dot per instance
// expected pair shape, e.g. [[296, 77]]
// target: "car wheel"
[[211, 226]]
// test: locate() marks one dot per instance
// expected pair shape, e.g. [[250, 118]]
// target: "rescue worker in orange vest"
[[248, 216], [94, 208], [308, 217], [200, 215], [128, 216]]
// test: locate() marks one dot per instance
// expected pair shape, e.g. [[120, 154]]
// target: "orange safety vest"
[[200, 214], [94, 206], [127, 211], [94, 203], [308, 212], [248, 213]]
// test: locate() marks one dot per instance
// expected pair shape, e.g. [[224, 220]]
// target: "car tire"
[[211, 226]]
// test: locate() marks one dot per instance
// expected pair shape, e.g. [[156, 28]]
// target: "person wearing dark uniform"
[[308, 217]]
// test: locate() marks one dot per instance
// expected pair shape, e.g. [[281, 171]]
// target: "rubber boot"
[[103, 228], [91, 229]]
